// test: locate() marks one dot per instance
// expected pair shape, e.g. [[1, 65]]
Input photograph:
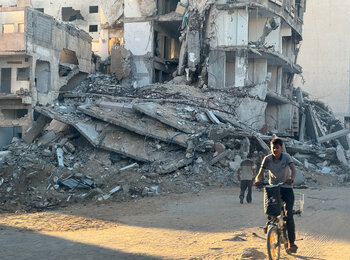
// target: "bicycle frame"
[[276, 234]]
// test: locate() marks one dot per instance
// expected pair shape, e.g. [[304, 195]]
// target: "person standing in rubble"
[[246, 173], [279, 164]]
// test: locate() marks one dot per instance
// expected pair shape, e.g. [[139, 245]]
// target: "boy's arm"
[[239, 174], [259, 177], [294, 173]]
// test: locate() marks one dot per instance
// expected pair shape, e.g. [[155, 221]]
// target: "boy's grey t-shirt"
[[278, 170]]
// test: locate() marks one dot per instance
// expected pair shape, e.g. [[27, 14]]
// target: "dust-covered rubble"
[[104, 142]]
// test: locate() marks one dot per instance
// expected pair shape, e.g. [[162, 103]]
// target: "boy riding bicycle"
[[278, 164]]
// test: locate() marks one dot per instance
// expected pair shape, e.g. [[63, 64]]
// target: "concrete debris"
[[120, 62], [213, 118], [138, 123], [59, 153], [48, 137], [36, 129], [129, 167], [114, 190], [159, 138], [76, 182], [4, 154], [219, 157], [168, 115]]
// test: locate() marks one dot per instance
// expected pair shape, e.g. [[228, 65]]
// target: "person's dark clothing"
[[244, 185]]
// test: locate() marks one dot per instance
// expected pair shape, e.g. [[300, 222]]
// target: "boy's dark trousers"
[[287, 196]]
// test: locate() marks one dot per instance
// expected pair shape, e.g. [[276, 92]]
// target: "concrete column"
[[241, 70], [103, 42], [217, 68]]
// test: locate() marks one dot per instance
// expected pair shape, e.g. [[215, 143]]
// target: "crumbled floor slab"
[[110, 138], [169, 116], [138, 123]]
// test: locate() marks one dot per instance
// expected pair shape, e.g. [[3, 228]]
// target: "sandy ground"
[[207, 225]]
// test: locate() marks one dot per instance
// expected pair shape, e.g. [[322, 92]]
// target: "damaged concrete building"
[[254, 45], [86, 15], [223, 45], [39, 57]]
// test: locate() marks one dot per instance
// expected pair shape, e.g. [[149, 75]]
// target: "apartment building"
[[254, 46], [39, 56], [249, 46], [87, 15]]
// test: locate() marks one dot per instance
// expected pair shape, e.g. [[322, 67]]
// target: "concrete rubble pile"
[[106, 142]]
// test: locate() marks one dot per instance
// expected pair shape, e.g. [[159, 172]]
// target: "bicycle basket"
[[298, 203], [272, 200]]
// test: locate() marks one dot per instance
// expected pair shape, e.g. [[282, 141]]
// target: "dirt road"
[[207, 225]]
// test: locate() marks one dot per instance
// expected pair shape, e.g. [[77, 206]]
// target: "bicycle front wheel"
[[273, 243]]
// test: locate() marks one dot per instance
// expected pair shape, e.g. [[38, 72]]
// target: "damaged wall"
[[87, 17], [18, 65], [256, 29], [112, 9], [139, 8], [233, 28], [252, 112], [46, 39]]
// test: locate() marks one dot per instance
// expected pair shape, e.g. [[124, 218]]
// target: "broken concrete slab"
[[173, 165], [47, 138], [115, 106], [120, 62], [341, 155], [212, 117], [263, 145], [36, 129], [115, 139], [138, 123], [220, 156], [333, 136], [169, 116], [111, 138]]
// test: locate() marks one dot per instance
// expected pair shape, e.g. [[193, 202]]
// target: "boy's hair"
[[276, 140]]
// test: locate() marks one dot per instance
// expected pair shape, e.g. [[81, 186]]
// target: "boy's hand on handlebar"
[[257, 180]]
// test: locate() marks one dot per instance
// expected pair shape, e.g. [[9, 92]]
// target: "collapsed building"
[[194, 86], [223, 45], [39, 57]]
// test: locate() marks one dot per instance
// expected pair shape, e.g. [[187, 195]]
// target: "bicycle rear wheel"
[[273, 243]]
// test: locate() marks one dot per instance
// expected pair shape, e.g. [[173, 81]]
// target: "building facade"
[[255, 44], [39, 56]]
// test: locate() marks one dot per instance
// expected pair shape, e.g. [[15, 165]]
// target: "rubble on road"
[[107, 142]]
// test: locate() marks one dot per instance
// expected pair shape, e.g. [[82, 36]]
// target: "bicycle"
[[276, 226]]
